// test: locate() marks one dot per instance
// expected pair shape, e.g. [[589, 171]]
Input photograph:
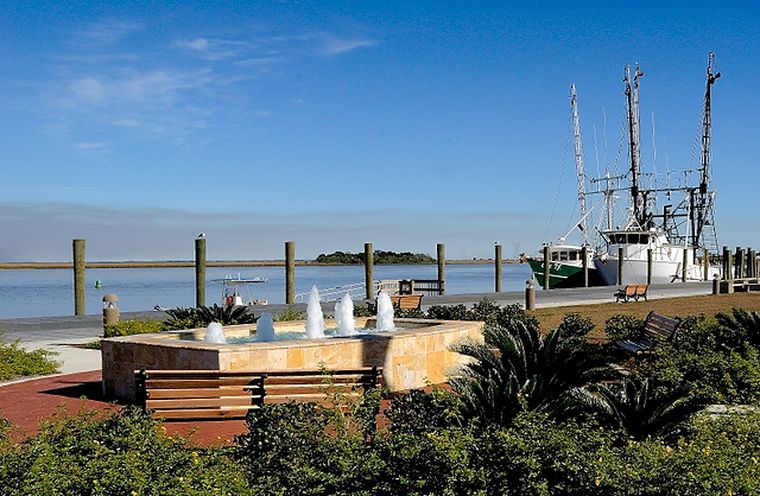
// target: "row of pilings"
[[290, 272]]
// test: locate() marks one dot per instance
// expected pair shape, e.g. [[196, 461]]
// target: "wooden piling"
[[441, 254], [80, 305], [290, 272], [369, 270], [724, 263], [530, 296], [730, 280], [584, 256], [621, 256], [200, 272], [737, 262], [547, 265], [684, 264], [650, 265], [705, 264], [497, 268]]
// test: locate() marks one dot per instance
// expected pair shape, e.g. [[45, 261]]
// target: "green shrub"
[[15, 361], [131, 327], [624, 327], [193, 318], [119, 454], [290, 313]]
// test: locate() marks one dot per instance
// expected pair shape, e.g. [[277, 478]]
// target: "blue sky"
[[136, 125]]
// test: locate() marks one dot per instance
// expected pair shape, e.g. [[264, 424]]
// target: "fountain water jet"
[[384, 313], [265, 328], [344, 316], [215, 334], [315, 320]]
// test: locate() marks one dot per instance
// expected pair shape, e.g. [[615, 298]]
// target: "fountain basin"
[[411, 358]]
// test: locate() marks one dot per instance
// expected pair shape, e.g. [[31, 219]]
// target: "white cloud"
[[332, 45], [212, 49], [109, 30]]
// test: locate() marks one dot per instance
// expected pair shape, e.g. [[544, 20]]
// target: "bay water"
[[49, 292]]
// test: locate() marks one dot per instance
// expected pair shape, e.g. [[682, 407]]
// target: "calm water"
[[38, 293]]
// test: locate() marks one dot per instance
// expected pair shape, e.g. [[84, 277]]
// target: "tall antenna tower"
[[703, 220], [579, 169]]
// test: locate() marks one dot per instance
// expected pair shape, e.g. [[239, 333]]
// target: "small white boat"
[[234, 287]]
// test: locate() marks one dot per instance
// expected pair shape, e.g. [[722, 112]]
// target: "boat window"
[[644, 239], [618, 239], [555, 256], [573, 255], [563, 256], [633, 239]]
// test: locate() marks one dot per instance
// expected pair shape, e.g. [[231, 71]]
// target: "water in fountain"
[[215, 333], [265, 328], [384, 313], [344, 316], [315, 320]]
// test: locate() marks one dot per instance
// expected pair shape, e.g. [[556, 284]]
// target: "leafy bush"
[[290, 313], [131, 327], [15, 361], [192, 318], [123, 453], [624, 327]]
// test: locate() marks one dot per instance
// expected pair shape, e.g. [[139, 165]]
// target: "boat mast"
[[632, 94], [705, 212], [579, 164]]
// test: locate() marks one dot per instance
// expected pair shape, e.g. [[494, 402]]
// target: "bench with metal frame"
[[631, 292], [657, 329]]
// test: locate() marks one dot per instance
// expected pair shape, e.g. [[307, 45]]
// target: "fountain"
[[315, 319], [384, 313], [344, 316], [265, 328], [215, 334]]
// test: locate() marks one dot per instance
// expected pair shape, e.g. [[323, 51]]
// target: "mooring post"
[[649, 265], [751, 263], [441, 268], [684, 264], [530, 295], [290, 272], [737, 262], [369, 270], [621, 256], [497, 268], [80, 306], [724, 263], [584, 257], [547, 265], [730, 280], [715, 285], [200, 271], [705, 265]]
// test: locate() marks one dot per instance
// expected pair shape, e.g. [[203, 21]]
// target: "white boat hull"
[[663, 271]]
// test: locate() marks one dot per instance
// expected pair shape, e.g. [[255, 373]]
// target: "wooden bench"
[[401, 302], [208, 394], [631, 291], [657, 328]]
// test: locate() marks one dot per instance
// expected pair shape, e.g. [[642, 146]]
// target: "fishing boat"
[[565, 267], [678, 241], [236, 290]]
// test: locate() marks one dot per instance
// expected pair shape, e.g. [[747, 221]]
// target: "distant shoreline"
[[211, 263]]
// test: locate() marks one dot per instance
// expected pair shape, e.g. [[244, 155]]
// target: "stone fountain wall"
[[411, 358]]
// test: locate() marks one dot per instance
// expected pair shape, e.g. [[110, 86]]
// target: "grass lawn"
[[707, 305]]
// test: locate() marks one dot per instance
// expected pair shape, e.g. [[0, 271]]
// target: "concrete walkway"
[[61, 334]]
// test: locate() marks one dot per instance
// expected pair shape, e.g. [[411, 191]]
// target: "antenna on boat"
[[579, 164], [705, 213], [632, 94]]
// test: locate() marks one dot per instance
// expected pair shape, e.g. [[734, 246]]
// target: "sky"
[[137, 125]]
